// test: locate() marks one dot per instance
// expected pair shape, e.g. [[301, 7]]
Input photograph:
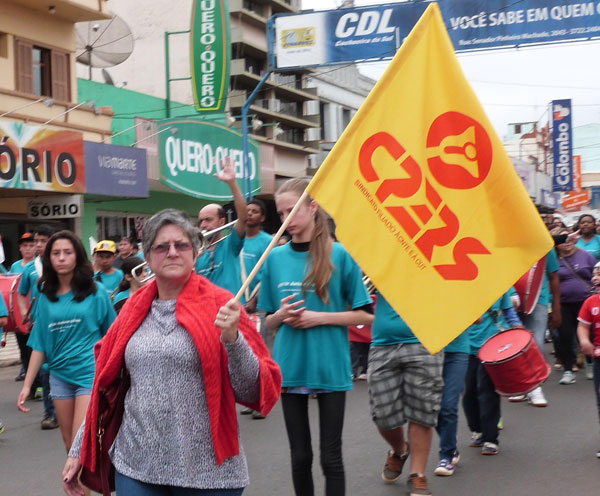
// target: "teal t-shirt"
[[66, 332], [221, 266], [3, 309], [592, 246], [109, 281], [319, 357], [253, 249], [389, 328], [28, 285], [121, 295], [488, 327], [17, 267], [552, 266], [460, 344]]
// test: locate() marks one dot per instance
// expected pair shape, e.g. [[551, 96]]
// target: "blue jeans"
[[455, 369], [596, 365], [537, 322], [44, 376], [126, 486], [481, 402]]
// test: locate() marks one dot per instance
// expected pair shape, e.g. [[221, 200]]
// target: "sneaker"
[[444, 467], [517, 398], [393, 466], [568, 378], [49, 422], [246, 411], [257, 415], [537, 398], [1, 427], [557, 364], [362, 377], [489, 448], [20, 377], [597, 452], [575, 368], [476, 440], [417, 485], [38, 394], [500, 424], [589, 371], [455, 458]]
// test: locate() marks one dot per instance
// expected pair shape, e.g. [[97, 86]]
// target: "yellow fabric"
[[425, 197]]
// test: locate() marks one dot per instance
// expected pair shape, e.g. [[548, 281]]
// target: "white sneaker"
[[568, 378], [517, 398], [537, 398], [589, 371]]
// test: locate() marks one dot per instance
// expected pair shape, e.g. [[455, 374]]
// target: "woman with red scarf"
[[190, 353]]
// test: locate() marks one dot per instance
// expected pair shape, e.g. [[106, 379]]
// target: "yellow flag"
[[425, 197]]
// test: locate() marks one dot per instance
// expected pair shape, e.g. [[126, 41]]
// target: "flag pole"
[[272, 244]]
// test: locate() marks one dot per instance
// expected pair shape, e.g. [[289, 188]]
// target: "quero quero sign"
[[38, 158], [191, 153], [210, 54]]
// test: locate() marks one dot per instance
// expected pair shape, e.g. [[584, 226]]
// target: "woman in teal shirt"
[[312, 290], [589, 240], [73, 313]]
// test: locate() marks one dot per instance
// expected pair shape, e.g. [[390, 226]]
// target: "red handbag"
[[110, 416]]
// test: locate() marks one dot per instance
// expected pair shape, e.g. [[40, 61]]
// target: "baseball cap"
[[26, 237], [106, 245]]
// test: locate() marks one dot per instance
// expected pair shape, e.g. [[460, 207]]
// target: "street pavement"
[[543, 451]]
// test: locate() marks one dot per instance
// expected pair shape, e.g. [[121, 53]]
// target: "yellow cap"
[[106, 245]]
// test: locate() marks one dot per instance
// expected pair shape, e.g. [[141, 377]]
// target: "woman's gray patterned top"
[[165, 437]]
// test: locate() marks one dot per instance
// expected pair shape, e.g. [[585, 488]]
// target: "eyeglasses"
[[180, 246]]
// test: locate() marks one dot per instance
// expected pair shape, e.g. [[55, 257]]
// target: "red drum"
[[514, 362], [8, 287]]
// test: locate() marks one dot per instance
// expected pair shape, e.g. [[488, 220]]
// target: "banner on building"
[[577, 177], [210, 54], [54, 207], [40, 158], [375, 32], [116, 170], [191, 152], [562, 141], [595, 194]]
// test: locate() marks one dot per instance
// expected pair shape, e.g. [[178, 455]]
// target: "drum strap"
[[590, 287]]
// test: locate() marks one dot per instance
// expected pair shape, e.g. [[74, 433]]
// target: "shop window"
[[42, 71]]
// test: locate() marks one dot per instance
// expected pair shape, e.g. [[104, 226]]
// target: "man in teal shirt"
[[104, 256], [220, 263]]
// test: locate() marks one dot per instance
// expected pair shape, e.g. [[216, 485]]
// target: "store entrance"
[[12, 227]]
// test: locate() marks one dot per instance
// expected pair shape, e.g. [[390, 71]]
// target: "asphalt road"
[[543, 451]]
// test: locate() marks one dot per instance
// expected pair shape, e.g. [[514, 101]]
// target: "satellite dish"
[[107, 77], [103, 43]]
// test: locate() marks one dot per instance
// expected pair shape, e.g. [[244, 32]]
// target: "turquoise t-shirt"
[[121, 295], [460, 344], [319, 357], [389, 328], [221, 266], [592, 246], [17, 267], [552, 266], [28, 285], [488, 327], [109, 281], [253, 249], [66, 332], [3, 309]]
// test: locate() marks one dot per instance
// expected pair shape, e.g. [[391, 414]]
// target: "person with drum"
[[72, 314], [191, 353], [575, 275], [27, 249], [481, 402], [27, 296], [129, 285]]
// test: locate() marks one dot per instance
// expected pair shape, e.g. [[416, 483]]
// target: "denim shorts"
[[62, 390]]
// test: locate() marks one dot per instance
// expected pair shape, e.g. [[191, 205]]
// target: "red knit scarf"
[[196, 309]]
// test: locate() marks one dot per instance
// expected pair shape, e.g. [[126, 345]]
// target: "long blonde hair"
[[320, 246]]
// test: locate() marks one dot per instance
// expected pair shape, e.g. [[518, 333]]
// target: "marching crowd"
[[140, 358]]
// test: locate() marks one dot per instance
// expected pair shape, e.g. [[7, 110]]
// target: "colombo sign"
[[191, 152]]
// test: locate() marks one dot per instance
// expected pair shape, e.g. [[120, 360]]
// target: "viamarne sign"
[[191, 153], [210, 54]]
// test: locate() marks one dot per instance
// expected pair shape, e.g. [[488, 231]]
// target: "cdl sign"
[[562, 131]]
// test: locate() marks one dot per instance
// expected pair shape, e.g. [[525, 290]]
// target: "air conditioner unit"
[[274, 105]]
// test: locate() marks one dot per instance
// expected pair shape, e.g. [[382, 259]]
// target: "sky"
[[517, 85]]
